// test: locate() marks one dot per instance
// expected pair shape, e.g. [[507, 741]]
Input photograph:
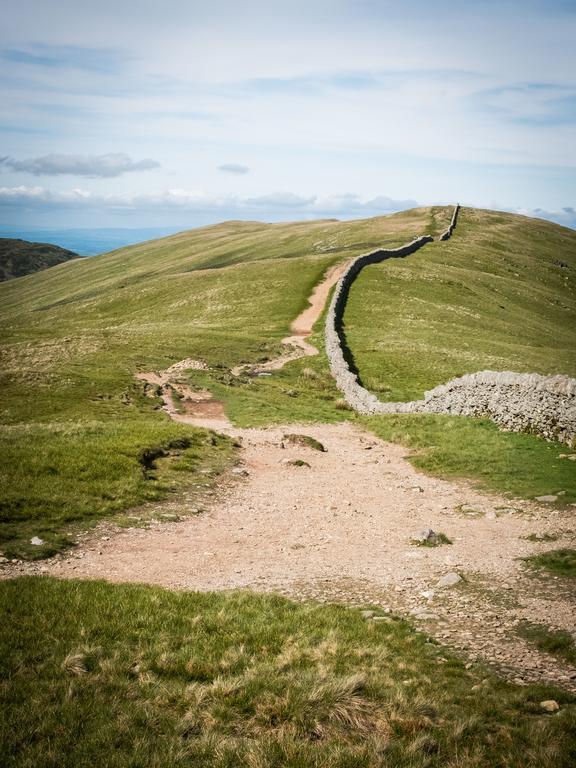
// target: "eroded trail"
[[338, 525], [200, 408], [340, 529]]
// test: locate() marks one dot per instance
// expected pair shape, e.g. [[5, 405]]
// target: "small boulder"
[[36, 541], [240, 471], [449, 580], [549, 498], [549, 705]]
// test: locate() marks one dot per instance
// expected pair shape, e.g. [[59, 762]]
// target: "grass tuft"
[[561, 562], [556, 642], [304, 441]]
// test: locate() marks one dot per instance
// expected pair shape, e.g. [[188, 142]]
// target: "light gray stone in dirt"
[[548, 498], [422, 536], [240, 471], [426, 536], [449, 580], [549, 705], [36, 541]]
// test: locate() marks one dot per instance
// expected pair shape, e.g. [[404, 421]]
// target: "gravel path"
[[340, 530]]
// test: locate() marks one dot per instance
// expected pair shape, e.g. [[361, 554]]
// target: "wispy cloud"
[[565, 216], [103, 60], [234, 168], [191, 200], [91, 166], [531, 104]]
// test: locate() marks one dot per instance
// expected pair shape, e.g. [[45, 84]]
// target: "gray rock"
[[240, 471], [36, 541], [424, 536], [548, 498], [449, 580], [549, 705]]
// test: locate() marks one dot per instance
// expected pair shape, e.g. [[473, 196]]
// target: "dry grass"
[[100, 675]]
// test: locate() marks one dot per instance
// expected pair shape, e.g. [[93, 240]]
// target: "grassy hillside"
[[78, 433], [499, 295], [75, 422], [93, 674], [21, 257]]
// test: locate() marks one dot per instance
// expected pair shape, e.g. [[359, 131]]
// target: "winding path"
[[338, 527]]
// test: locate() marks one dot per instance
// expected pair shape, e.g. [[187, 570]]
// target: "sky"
[[144, 113]]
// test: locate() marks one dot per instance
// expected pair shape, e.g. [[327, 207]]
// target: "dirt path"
[[339, 528], [301, 327], [199, 407]]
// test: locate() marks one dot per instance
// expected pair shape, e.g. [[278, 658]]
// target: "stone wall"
[[356, 396], [448, 232], [519, 402]]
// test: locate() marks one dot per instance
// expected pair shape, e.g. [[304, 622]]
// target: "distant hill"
[[21, 257]]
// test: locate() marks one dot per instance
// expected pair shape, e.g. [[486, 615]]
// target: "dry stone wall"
[[448, 232], [519, 402]]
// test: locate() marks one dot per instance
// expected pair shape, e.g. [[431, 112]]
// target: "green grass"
[[511, 463], [100, 675], [437, 540], [499, 295], [49, 489], [561, 562], [556, 642], [74, 420]]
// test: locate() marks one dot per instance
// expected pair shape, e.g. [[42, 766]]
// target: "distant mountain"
[[21, 257]]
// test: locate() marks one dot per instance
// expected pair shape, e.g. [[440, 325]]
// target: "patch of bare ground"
[[340, 530]]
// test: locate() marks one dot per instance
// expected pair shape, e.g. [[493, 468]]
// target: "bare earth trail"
[[340, 530]]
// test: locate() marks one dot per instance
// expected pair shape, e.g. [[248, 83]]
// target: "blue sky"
[[183, 112]]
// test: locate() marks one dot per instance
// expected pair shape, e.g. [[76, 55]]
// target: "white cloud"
[[234, 168], [93, 166], [193, 200], [565, 216]]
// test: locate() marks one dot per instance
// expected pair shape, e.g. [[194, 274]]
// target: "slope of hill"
[[77, 423], [78, 426], [21, 257], [499, 295], [216, 679]]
